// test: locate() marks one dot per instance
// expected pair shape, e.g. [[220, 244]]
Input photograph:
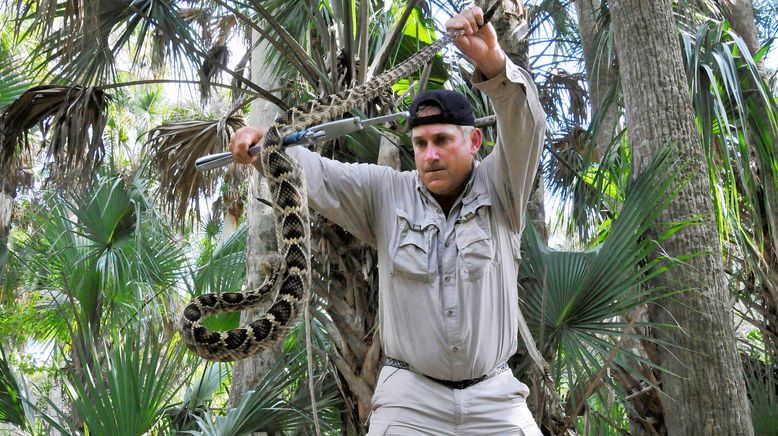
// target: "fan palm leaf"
[[270, 407], [13, 81], [573, 300], [83, 44], [100, 252], [222, 270], [173, 149], [73, 118], [13, 409], [137, 380]]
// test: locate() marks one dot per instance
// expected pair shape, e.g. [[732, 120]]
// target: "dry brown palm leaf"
[[72, 120], [217, 55], [174, 148], [558, 83]]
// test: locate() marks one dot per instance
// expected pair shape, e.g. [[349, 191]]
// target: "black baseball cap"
[[454, 109]]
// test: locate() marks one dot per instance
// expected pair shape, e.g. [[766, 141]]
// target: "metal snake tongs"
[[318, 133]]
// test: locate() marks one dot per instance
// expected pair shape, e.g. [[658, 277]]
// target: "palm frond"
[[766, 12], [762, 383], [383, 55], [13, 408], [571, 299], [222, 270], [278, 403], [286, 42], [173, 150], [722, 76], [137, 381], [97, 251], [557, 85], [14, 81], [198, 396], [83, 44], [73, 119], [738, 119], [217, 55]]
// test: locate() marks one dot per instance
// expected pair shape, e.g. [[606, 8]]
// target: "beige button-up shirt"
[[448, 298]]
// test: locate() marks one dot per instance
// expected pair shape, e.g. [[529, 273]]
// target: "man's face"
[[444, 157]]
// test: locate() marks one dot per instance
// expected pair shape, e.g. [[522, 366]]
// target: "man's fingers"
[[478, 16], [243, 139], [469, 20], [475, 19]]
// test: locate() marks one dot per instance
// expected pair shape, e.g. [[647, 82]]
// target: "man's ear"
[[476, 136]]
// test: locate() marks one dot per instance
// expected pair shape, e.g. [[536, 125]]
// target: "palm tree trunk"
[[261, 236], [600, 73], [645, 413], [348, 286], [707, 395], [6, 209], [740, 14]]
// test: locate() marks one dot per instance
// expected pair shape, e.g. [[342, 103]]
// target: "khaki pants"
[[406, 403]]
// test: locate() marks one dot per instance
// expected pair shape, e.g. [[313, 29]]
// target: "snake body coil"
[[289, 271]]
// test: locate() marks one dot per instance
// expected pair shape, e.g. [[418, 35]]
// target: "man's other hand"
[[243, 139], [479, 44]]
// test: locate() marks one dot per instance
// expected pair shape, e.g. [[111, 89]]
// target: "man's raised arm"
[[521, 122]]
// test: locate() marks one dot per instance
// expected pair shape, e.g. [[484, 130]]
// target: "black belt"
[[453, 384]]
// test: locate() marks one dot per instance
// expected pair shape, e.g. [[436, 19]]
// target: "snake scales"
[[288, 272]]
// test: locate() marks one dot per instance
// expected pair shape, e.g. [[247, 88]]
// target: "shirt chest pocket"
[[413, 251], [475, 243]]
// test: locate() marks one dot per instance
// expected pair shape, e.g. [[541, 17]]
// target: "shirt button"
[[448, 243], [447, 279], [455, 349], [450, 313]]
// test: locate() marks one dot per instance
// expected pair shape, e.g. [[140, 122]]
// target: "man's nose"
[[431, 153]]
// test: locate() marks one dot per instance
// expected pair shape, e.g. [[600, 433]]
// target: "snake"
[[287, 273]]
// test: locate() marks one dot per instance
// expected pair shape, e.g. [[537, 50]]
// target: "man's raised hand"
[[479, 43]]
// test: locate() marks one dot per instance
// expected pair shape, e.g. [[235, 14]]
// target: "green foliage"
[[13, 409], [736, 115], [198, 396], [14, 77], [761, 376], [417, 33], [279, 402], [100, 253], [222, 270], [83, 47], [573, 301], [135, 383]]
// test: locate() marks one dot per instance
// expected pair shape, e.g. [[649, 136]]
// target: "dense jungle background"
[[649, 277]]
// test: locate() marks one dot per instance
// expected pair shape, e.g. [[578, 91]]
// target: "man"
[[448, 238]]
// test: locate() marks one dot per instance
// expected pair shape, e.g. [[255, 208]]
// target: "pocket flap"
[[470, 234], [411, 236]]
